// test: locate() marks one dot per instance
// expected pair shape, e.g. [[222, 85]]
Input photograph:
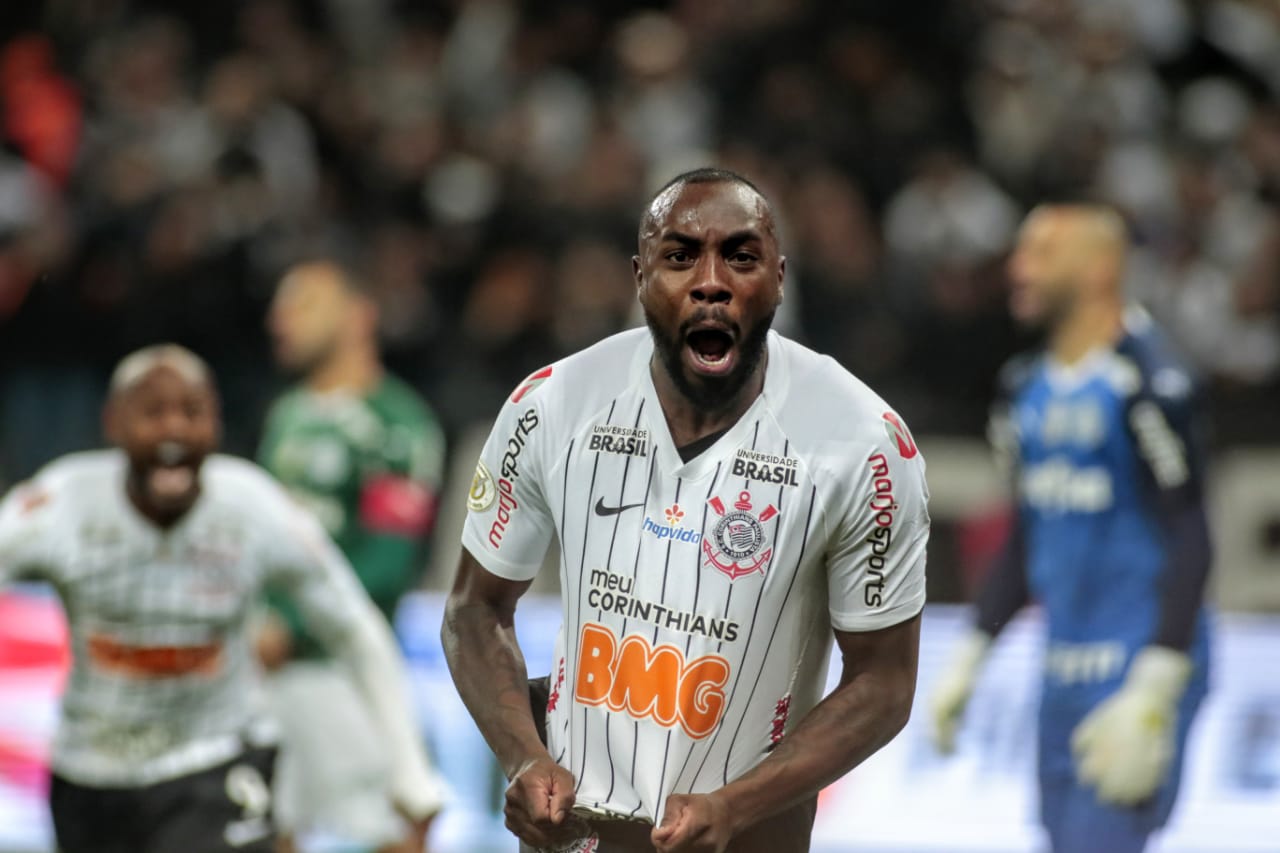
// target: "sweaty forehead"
[[696, 209]]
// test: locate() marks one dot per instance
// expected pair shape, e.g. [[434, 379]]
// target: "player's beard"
[[302, 364], [705, 392]]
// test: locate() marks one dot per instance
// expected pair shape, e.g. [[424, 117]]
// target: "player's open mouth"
[[173, 473], [711, 351]]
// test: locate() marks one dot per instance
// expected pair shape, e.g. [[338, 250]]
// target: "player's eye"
[[679, 256], [742, 258]]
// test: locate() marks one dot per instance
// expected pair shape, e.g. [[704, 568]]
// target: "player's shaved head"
[[321, 307], [1066, 253], [136, 366], [659, 208], [1090, 234]]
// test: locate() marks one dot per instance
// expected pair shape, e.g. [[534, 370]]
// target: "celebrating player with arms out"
[[158, 551], [723, 499], [364, 453], [1101, 435]]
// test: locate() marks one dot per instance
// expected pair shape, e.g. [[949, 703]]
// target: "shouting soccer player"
[[724, 500], [158, 550], [363, 452], [1102, 439]]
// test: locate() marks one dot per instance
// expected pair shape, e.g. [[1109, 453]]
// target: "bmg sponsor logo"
[[629, 675]]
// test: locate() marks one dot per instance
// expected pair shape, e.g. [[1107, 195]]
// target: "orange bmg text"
[[658, 683]]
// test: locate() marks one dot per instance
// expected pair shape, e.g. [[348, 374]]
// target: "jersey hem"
[[885, 619], [498, 566]]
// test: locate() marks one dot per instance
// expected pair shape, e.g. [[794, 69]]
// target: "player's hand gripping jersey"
[[699, 597], [163, 681]]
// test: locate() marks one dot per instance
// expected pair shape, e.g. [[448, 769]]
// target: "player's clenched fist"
[[538, 801], [693, 823]]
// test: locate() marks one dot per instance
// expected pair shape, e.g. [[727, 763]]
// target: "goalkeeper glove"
[[951, 694], [1124, 746]]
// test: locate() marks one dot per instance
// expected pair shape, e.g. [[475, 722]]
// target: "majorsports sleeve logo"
[[530, 384], [897, 430]]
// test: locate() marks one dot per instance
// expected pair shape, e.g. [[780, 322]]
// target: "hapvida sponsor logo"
[[671, 532]]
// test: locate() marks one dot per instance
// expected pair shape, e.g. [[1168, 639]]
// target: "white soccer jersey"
[[163, 679], [699, 597]]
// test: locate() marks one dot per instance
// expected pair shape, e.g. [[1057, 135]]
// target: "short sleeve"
[[876, 561], [1164, 421], [301, 560], [27, 520], [509, 524]]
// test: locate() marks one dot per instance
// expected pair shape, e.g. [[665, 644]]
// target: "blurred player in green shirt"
[[365, 454]]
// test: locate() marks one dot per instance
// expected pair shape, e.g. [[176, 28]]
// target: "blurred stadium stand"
[[160, 163]]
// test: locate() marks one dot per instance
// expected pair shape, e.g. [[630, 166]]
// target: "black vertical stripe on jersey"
[[697, 568], [697, 558], [617, 519], [635, 564], [577, 619], [666, 564], [568, 641], [755, 616], [609, 420], [635, 572], [728, 599], [777, 523], [795, 572]]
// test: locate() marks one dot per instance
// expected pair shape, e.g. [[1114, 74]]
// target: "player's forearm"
[[1190, 553], [842, 731], [489, 672], [371, 652], [1004, 591]]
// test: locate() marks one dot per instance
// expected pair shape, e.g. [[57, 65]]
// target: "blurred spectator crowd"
[[487, 160]]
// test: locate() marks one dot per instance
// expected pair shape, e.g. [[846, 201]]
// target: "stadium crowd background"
[[162, 162]]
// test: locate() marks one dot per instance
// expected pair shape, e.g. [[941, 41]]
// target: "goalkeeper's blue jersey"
[[1096, 448]]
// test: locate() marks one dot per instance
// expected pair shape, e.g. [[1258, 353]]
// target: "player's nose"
[[711, 283]]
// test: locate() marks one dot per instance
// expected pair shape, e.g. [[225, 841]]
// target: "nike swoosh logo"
[[601, 509]]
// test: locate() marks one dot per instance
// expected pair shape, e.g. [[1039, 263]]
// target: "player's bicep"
[[890, 654], [308, 568], [25, 516], [474, 585], [876, 567], [509, 524]]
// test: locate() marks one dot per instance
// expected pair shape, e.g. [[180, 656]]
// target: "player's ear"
[[637, 272], [782, 277]]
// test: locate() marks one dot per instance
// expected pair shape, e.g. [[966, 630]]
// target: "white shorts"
[[333, 774]]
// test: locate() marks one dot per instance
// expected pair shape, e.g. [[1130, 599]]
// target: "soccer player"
[[158, 550], [725, 500], [365, 454], [1101, 435]]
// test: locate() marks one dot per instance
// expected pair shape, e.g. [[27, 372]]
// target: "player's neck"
[[357, 370], [688, 420], [1093, 324]]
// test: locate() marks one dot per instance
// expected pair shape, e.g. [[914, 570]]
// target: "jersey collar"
[[776, 378]]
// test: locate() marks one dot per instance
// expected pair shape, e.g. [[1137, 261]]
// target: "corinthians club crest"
[[736, 544]]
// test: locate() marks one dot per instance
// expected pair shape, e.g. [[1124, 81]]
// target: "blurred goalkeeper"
[[1101, 436], [158, 549], [364, 453]]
